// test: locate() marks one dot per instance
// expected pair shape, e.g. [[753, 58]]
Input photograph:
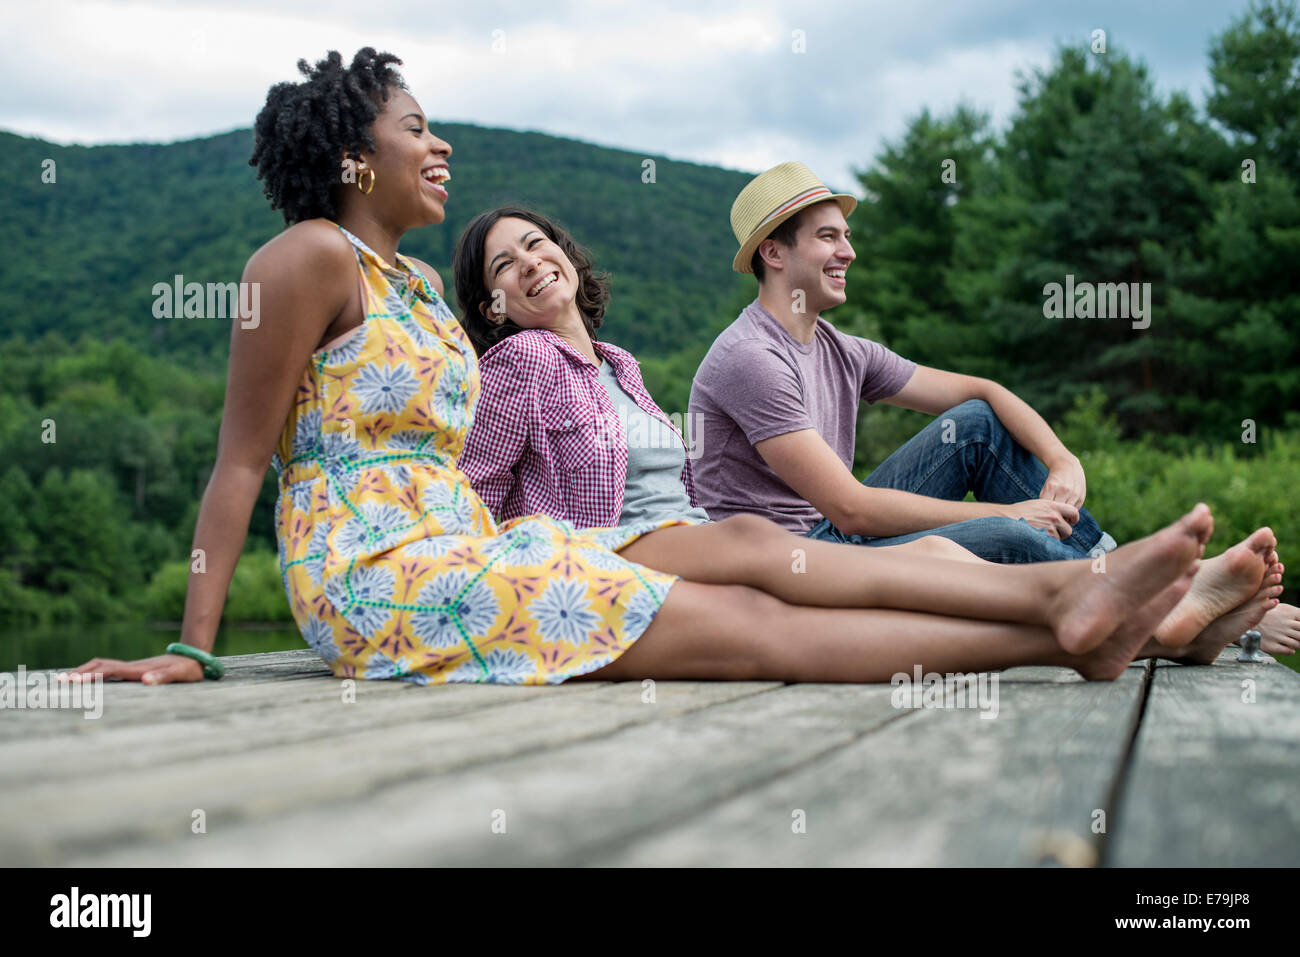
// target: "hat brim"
[[745, 256]]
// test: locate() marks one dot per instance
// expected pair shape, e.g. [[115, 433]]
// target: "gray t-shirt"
[[758, 381], [655, 459]]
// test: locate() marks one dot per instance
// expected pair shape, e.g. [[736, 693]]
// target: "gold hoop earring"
[[365, 190]]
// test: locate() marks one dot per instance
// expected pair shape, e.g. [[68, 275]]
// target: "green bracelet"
[[212, 668]]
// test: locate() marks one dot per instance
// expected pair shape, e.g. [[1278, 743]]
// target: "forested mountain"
[[87, 248]]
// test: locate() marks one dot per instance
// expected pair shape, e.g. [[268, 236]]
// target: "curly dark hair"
[[303, 128], [468, 264]]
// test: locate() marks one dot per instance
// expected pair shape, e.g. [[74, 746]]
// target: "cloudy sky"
[[714, 82]]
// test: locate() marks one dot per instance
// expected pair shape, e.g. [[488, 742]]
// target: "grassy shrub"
[[1134, 487], [256, 592]]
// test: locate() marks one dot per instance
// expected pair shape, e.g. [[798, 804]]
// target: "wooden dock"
[[1169, 765]]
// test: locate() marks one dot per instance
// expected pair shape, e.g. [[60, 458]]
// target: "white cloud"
[[706, 80]]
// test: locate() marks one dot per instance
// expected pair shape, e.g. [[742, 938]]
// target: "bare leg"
[[921, 575], [730, 632], [749, 550], [1081, 607]]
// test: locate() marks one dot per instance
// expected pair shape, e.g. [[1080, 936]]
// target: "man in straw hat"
[[777, 398]]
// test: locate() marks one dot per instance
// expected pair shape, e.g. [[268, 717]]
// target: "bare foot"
[[1095, 605], [1281, 630], [1108, 661], [1223, 583], [1204, 648]]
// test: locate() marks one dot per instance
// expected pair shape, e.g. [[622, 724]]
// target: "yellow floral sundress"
[[393, 566]]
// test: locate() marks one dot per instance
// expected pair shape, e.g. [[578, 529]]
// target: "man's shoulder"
[[744, 339], [856, 347], [735, 362], [829, 330], [872, 369], [747, 325]]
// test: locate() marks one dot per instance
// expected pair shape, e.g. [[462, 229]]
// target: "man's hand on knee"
[[1055, 518]]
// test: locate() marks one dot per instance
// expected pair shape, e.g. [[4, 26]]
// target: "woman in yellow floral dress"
[[352, 377]]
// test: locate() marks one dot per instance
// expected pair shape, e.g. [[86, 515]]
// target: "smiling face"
[[818, 261], [410, 163], [529, 275]]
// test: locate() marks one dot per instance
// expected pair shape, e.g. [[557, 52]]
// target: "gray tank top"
[[655, 459]]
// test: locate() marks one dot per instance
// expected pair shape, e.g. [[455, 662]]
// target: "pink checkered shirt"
[[545, 437]]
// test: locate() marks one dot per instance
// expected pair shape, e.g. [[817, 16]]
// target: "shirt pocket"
[[572, 436]]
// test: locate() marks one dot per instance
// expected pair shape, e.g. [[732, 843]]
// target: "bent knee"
[[753, 528], [937, 546], [974, 408], [973, 418]]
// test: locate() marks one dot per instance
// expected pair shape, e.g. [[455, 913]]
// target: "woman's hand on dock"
[[160, 670]]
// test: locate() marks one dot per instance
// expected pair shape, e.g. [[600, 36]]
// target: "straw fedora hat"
[[771, 198]]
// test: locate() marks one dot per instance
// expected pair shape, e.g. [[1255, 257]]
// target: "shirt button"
[[568, 422]]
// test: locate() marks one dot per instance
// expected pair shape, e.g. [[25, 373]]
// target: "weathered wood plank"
[[560, 803], [588, 773], [47, 821], [1215, 777], [588, 801], [187, 730], [943, 788], [249, 679]]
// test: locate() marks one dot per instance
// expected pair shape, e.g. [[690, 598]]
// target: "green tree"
[[1099, 179], [1255, 71], [1240, 308], [904, 233]]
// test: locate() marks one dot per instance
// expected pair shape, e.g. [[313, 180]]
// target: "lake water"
[[67, 646]]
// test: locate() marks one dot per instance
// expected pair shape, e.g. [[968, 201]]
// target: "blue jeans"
[[980, 457]]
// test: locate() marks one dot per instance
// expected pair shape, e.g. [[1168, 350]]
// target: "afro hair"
[[305, 127]]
